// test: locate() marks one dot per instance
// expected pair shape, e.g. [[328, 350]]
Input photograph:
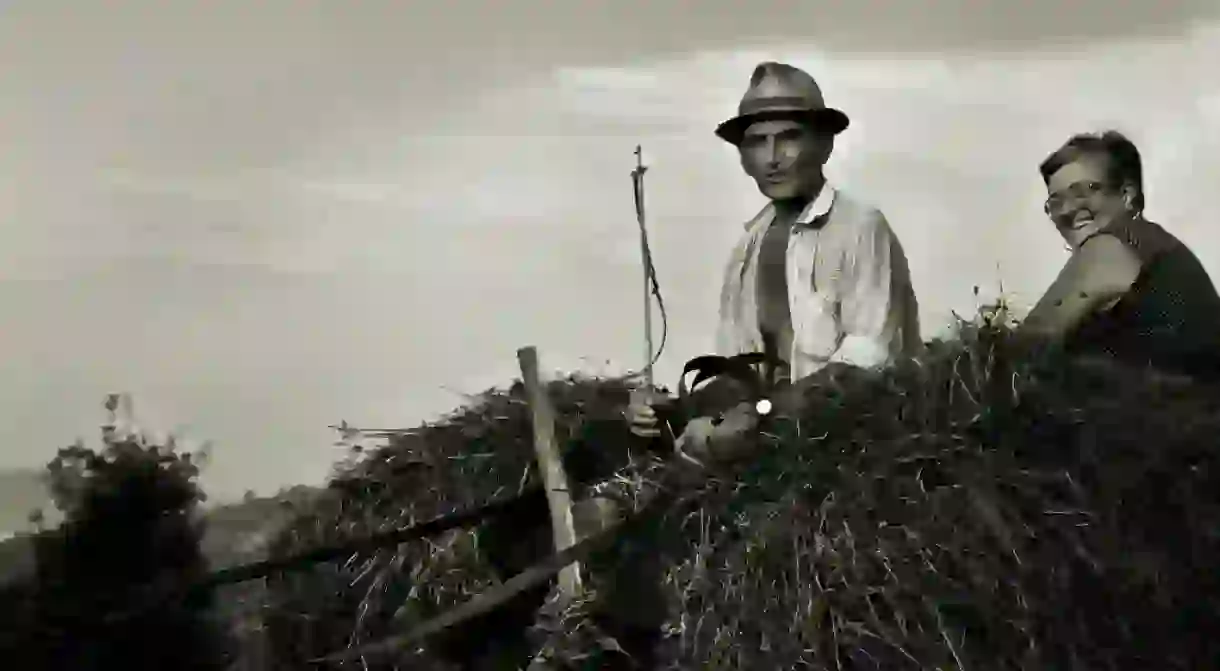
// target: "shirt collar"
[[818, 207]]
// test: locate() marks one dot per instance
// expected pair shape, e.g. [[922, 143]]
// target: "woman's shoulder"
[[1146, 239], [1106, 253]]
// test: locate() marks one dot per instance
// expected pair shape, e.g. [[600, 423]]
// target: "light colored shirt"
[[849, 289]]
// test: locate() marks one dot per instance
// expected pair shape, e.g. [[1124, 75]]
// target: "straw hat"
[[781, 91]]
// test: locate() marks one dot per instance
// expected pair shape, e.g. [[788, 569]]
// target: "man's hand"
[[640, 415], [706, 441]]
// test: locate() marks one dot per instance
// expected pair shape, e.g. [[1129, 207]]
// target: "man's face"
[[785, 157]]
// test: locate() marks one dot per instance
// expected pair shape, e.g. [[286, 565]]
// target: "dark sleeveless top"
[[1169, 318]]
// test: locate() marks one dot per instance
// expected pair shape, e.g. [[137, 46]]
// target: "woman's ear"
[[1129, 195]]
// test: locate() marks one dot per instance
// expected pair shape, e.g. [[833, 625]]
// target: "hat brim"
[[826, 119]]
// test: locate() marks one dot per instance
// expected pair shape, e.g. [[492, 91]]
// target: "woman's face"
[[1081, 200]]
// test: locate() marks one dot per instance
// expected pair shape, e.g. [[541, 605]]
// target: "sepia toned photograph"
[[607, 334]]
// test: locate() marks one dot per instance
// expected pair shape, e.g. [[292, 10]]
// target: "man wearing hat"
[[818, 279]]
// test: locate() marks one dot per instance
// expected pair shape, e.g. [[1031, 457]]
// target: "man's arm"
[[873, 296]]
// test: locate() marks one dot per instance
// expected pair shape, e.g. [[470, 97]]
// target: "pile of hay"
[[480, 453], [985, 508]]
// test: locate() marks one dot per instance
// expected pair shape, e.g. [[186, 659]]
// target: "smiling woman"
[[1131, 289]]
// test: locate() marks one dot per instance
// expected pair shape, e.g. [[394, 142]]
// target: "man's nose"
[[771, 152]]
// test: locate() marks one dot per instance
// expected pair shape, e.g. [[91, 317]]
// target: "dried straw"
[[984, 508]]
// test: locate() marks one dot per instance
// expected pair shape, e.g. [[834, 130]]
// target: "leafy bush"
[[130, 521], [988, 507]]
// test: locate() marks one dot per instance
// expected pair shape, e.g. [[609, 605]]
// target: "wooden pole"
[[554, 478], [637, 180]]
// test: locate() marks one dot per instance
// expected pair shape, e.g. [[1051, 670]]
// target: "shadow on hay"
[[986, 508]]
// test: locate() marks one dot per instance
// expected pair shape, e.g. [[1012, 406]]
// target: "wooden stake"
[[554, 478]]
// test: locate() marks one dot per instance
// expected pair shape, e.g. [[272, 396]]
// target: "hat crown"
[[780, 89], [781, 86]]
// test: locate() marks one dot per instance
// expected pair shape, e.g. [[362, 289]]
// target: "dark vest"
[[1169, 318], [774, 315]]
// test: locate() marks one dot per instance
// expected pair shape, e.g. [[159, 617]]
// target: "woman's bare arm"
[[1096, 276]]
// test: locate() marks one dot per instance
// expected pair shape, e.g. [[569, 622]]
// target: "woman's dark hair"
[[1121, 154]]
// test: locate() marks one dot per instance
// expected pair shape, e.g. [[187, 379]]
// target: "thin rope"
[[650, 270]]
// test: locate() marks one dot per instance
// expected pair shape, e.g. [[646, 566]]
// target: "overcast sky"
[[262, 217]]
